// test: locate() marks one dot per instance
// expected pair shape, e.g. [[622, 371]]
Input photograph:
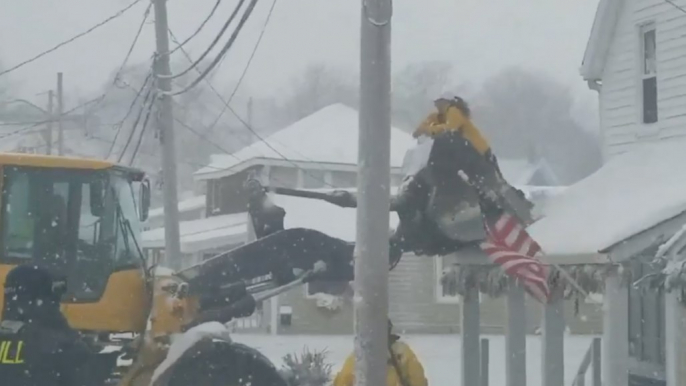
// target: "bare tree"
[[317, 87], [415, 88], [523, 112]]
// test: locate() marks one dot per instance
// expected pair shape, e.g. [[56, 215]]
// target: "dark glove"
[[343, 198]]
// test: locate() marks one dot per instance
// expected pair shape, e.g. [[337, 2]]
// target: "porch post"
[[675, 338], [515, 340], [471, 366], [552, 341], [615, 352]]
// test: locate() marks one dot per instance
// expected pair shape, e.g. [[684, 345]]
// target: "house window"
[[313, 179], [283, 177], [341, 179], [446, 290], [646, 318], [649, 73]]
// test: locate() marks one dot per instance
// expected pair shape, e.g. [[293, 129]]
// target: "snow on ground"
[[632, 192], [440, 354]]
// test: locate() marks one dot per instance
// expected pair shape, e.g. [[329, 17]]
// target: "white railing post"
[[552, 341], [615, 343], [471, 327], [485, 360], [515, 340], [675, 338]]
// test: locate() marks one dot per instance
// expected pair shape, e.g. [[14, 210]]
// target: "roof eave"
[[600, 39]]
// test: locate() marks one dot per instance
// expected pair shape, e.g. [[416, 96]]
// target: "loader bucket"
[[452, 204]]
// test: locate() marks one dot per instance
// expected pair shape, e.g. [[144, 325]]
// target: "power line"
[[135, 123], [53, 119], [677, 6], [146, 14], [228, 106], [214, 42], [247, 66], [142, 134], [128, 113], [197, 31], [84, 33], [223, 52]]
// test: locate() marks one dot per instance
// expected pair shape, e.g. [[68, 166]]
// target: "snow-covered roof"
[[328, 136], [203, 234], [522, 171], [631, 193], [188, 204], [604, 24], [322, 216]]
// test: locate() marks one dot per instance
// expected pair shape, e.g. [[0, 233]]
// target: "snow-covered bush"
[[310, 368]]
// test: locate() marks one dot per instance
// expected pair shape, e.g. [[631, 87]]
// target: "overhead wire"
[[84, 33], [135, 123], [120, 124], [227, 105], [224, 50], [117, 74], [247, 65], [202, 25], [52, 119], [211, 46], [142, 134], [675, 5]]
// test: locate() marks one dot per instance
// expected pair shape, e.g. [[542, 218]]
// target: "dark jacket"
[[37, 346]]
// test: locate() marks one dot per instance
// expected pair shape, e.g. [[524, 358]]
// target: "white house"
[[636, 61]]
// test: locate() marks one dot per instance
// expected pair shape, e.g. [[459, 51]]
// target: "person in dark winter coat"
[[37, 346]]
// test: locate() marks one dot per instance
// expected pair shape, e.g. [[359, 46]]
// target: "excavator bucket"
[[450, 203], [463, 184]]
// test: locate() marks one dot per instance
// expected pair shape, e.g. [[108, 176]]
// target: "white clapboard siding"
[[620, 97]]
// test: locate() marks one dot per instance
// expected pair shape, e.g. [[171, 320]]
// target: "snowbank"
[[631, 193], [183, 342], [328, 136]]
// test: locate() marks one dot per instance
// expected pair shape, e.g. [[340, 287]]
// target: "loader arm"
[[440, 213]]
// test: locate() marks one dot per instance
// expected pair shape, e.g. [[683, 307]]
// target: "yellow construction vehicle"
[[82, 219]]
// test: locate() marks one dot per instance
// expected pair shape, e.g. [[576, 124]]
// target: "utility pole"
[[51, 117], [60, 112], [371, 250], [165, 128]]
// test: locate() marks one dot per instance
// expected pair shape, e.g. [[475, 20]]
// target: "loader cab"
[[82, 221]]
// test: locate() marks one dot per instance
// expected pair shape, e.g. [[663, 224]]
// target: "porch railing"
[[591, 360]]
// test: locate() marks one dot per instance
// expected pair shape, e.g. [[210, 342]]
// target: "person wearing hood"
[[404, 368], [37, 346], [454, 115]]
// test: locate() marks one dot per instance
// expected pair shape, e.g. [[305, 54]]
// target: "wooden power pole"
[[51, 117], [60, 113], [165, 127], [371, 250]]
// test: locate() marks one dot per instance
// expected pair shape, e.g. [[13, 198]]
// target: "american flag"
[[508, 245]]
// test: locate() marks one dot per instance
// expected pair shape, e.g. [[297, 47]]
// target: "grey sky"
[[479, 36]]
